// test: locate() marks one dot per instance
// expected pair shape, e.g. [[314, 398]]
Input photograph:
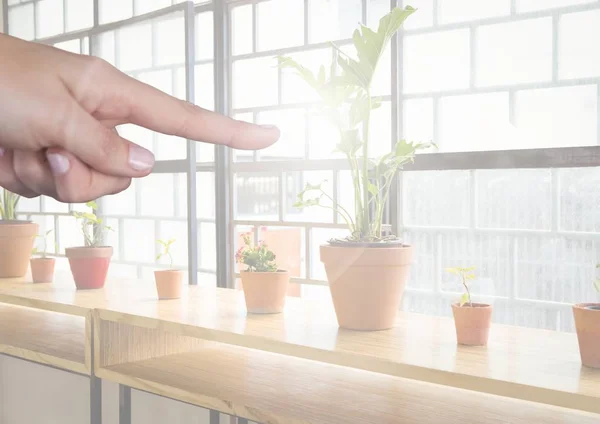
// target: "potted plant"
[[368, 269], [42, 268], [89, 263], [264, 285], [168, 281], [587, 324], [16, 238], [472, 320]]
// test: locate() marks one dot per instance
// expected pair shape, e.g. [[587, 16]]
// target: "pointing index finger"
[[153, 109]]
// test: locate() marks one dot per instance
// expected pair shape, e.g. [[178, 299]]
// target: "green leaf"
[[464, 299], [304, 73], [321, 77], [48, 232], [597, 285], [349, 144], [161, 242], [373, 189], [92, 204]]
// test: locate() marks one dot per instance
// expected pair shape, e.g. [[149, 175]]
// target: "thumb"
[[100, 147]]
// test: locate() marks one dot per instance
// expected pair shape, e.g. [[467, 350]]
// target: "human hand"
[[58, 113]]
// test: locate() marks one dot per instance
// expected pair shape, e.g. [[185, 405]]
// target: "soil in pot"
[[168, 283], [587, 324], [366, 283], [42, 269], [265, 292], [89, 265], [472, 322], [16, 242]]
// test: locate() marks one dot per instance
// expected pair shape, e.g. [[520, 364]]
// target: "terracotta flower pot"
[[89, 265], [587, 323], [366, 284], [42, 269], [16, 243], [472, 323], [265, 292], [168, 283]]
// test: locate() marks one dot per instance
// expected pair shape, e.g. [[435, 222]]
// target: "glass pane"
[[49, 18], [293, 87], [80, 14], [114, 10], [123, 203], [280, 24], [572, 112], [254, 82], [323, 137], [423, 274], [205, 196], [423, 17], [241, 29], [139, 241], [376, 9], [256, 196], [169, 41], [145, 6], [292, 142], [333, 19], [138, 135], [426, 191], [475, 122], [69, 233], [29, 205], [205, 86], [21, 22], [516, 199], [380, 130], [418, 120], [157, 195], [579, 200], [578, 53], [513, 53], [179, 249], [204, 36], [470, 10], [207, 241], [104, 47], [73, 46], [531, 5], [134, 47], [439, 61]]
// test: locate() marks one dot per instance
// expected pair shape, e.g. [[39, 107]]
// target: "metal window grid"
[[226, 168]]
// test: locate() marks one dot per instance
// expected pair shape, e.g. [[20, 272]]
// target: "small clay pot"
[[89, 265], [42, 269], [264, 292], [472, 322], [16, 242], [168, 283], [587, 323]]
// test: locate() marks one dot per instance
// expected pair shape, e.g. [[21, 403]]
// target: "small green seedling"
[[91, 225], [466, 274], [44, 251], [597, 282], [166, 250], [8, 205]]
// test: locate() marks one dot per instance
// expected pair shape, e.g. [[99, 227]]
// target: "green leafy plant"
[[466, 274], [44, 251], [8, 205], [166, 250], [91, 225], [258, 258], [345, 97]]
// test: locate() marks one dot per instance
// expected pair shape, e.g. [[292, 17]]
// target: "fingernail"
[[140, 159], [59, 165]]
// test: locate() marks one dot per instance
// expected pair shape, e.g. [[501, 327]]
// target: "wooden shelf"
[[522, 363], [272, 388], [45, 337]]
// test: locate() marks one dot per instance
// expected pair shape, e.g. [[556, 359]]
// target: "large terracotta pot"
[[168, 283], [264, 292], [42, 270], [366, 284], [89, 265], [16, 243], [472, 322], [587, 323]]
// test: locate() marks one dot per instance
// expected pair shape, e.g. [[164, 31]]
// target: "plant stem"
[[366, 165], [464, 281], [347, 218]]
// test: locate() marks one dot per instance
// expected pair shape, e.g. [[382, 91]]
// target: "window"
[[487, 81]]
